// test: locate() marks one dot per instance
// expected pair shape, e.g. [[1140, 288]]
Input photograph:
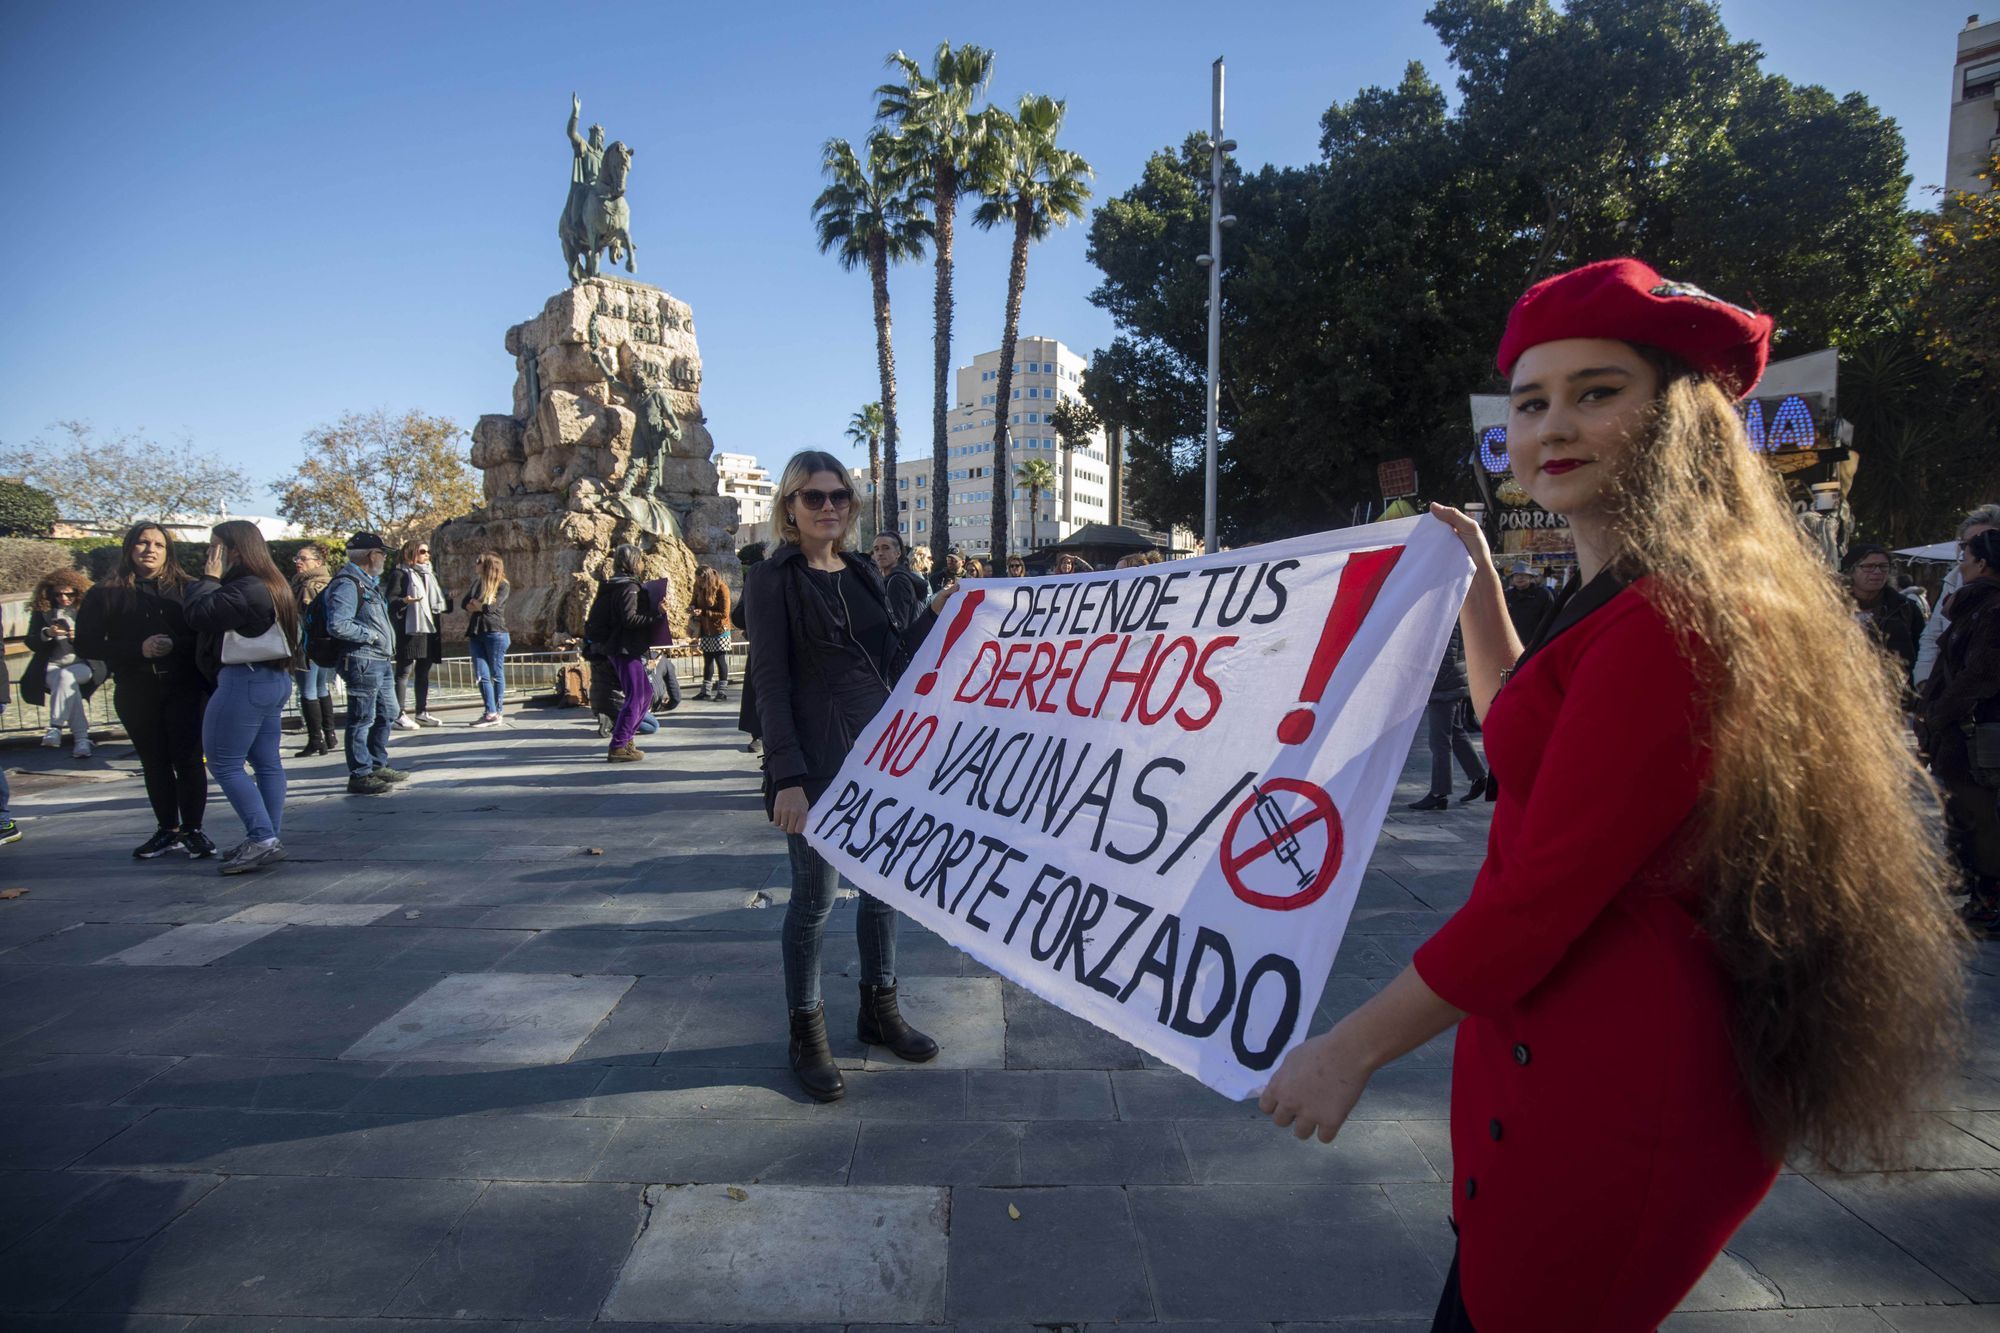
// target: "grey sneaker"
[[250, 856], [391, 775], [426, 720]]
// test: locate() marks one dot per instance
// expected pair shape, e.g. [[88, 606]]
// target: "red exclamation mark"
[[1361, 579], [968, 602]]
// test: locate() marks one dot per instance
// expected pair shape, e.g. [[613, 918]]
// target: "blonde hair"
[[798, 472], [1834, 930], [492, 573]]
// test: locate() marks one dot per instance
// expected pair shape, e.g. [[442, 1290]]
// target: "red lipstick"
[[1555, 467]]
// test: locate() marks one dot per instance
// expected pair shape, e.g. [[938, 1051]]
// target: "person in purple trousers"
[[620, 628]]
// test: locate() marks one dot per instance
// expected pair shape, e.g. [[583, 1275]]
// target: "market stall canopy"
[[1942, 552]]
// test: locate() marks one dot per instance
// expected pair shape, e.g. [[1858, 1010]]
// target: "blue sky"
[[232, 222]]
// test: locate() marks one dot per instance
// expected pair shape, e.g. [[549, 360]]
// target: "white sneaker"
[[81, 750], [404, 722], [426, 720], [52, 738]]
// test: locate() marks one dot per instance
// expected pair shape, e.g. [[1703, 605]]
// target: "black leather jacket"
[[816, 686]]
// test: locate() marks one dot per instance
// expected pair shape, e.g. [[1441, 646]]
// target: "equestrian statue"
[[595, 217]]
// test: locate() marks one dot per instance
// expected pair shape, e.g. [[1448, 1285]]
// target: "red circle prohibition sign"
[[1280, 832]]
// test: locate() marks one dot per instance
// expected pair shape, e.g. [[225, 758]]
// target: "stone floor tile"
[[930, 1152], [476, 1147], [1224, 1152], [1941, 1318], [296, 1013], [1948, 1220], [773, 1094], [81, 943], [547, 1251], [93, 1233], [525, 1018], [105, 1323], [426, 1088], [738, 1019], [1425, 1212], [1776, 1321], [1820, 1254], [1041, 1036], [642, 1023], [236, 1142], [1081, 1152], [774, 1152], [1072, 1256], [256, 1082], [78, 1080], [191, 946], [854, 1255], [1168, 1094], [30, 1198], [48, 1138], [1342, 1252], [1040, 1094], [965, 1016], [238, 1251], [309, 914], [1433, 1140]]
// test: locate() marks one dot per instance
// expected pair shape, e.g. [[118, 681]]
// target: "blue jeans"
[[315, 682], [489, 668], [814, 883], [241, 725], [371, 711]]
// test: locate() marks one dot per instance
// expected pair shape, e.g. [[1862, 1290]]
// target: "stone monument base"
[[606, 445]]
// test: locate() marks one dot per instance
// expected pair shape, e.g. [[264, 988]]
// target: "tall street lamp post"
[[1218, 148]]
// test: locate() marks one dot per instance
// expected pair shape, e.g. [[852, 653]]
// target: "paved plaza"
[[507, 1048]]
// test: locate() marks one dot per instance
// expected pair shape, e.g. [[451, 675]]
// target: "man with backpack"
[[348, 628]]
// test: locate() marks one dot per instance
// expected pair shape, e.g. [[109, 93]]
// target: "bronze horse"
[[603, 222]]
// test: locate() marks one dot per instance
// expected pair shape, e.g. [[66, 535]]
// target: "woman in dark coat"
[[827, 641], [1961, 693], [136, 623], [416, 601], [1444, 715], [59, 674], [620, 629]]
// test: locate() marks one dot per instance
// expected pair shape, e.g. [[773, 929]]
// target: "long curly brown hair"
[[1817, 837], [64, 580]]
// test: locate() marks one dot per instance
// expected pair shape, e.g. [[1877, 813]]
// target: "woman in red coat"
[[1682, 957]]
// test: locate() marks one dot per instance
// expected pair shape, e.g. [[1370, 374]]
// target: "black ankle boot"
[[811, 1058], [882, 1025], [309, 713]]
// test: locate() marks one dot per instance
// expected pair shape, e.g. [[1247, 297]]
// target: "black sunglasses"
[[816, 499]]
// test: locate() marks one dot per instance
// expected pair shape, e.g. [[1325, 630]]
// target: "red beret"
[[1627, 300]]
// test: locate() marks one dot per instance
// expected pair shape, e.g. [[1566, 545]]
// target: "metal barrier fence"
[[452, 681]]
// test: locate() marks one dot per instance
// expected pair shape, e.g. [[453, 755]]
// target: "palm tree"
[[1034, 186], [867, 427], [1075, 423], [1038, 475], [1107, 388], [874, 215], [937, 132]]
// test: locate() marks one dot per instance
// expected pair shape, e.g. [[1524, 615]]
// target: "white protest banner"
[[1149, 796]]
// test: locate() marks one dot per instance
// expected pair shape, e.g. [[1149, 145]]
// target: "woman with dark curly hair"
[[135, 621], [58, 673]]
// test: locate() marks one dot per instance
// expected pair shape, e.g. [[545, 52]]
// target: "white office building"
[[1045, 373], [1975, 106], [755, 492]]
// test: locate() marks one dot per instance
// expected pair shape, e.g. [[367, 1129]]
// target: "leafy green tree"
[[934, 129], [874, 215], [111, 483], [1108, 392], [1032, 186], [1039, 476], [1363, 294], [1075, 422], [866, 427], [25, 511], [399, 476]]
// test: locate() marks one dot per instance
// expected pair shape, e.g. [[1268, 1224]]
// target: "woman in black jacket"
[[135, 623], [58, 674], [1961, 694], [620, 629], [248, 623], [827, 641]]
